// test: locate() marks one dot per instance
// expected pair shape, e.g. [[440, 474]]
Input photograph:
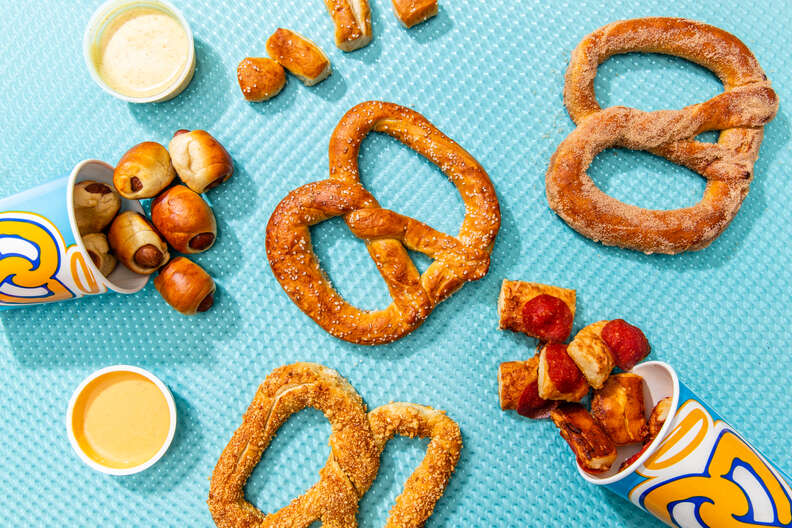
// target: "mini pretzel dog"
[[387, 234], [740, 113], [356, 443]]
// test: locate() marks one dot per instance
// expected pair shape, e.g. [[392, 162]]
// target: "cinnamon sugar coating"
[[740, 113]]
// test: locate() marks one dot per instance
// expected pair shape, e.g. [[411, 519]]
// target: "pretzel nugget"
[[260, 78], [185, 286], [545, 318], [200, 160], [426, 484], [591, 354], [300, 56], [594, 450], [619, 407], [559, 377], [658, 418], [412, 12], [144, 171], [352, 19], [137, 244]]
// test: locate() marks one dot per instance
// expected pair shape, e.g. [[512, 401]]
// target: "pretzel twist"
[[387, 234], [356, 444], [747, 104]]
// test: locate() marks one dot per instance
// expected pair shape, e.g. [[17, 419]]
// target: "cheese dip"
[[142, 52]]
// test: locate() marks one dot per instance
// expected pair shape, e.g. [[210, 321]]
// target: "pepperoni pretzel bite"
[[559, 377], [592, 356], [518, 389], [657, 418], [595, 451], [619, 407], [539, 310]]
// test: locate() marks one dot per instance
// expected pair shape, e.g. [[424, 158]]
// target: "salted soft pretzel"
[[427, 483], [352, 466], [357, 440], [388, 234], [352, 19], [747, 104]]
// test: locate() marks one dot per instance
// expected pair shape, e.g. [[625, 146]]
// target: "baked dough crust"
[[356, 444], [514, 295], [352, 19], [592, 356], [387, 234], [740, 113]]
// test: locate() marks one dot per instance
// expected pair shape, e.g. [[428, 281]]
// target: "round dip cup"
[[42, 254], [76, 399], [105, 15], [698, 471]]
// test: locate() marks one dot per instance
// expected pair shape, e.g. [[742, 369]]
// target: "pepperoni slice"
[[636, 456], [547, 318], [562, 370], [531, 405], [627, 343]]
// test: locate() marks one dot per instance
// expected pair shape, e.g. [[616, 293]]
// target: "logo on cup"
[[705, 475], [35, 264]]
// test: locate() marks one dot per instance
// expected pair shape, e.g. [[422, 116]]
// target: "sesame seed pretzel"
[[387, 234], [356, 444], [740, 113]]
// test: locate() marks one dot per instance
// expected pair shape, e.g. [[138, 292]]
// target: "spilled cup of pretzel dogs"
[[99, 238], [632, 426]]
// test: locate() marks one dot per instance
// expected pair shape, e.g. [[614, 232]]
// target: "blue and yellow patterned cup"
[[42, 256], [698, 472]]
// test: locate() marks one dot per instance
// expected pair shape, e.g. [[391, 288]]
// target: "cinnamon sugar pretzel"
[[740, 112], [357, 440], [387, 234]]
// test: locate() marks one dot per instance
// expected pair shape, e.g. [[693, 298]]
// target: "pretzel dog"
[[356, 443], [388, 235], [747, 104]]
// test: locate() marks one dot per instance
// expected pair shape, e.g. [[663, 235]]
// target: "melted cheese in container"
[[141, 52], [121, 420]]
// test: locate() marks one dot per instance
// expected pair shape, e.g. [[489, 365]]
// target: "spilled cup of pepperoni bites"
[[181, 219], [644, 435]]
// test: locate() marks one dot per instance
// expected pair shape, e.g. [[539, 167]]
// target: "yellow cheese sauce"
[[141, 52], [121, 420]]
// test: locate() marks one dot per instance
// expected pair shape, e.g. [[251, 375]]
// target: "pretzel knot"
[[356, 443], [740, 112], [387, 234]]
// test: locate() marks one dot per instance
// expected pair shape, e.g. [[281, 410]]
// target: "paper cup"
[[698, 472], [42, 256]]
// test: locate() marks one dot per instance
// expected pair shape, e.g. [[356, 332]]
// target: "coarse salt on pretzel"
[[426, 484], [353, 463], [412, 12], [740, 112], [352, 19], [388, 235]]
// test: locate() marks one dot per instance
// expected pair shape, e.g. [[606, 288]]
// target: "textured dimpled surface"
[[489, 74]]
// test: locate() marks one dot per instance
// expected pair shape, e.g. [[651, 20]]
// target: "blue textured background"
[[489, 74]]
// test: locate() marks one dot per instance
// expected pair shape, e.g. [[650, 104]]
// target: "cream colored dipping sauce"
[[142, 52]]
